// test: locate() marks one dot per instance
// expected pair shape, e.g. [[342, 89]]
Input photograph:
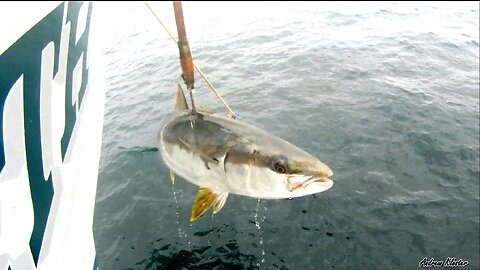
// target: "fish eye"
[[279, 167]]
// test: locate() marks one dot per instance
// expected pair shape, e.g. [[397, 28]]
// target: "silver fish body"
[[227, 155], [222, 155]]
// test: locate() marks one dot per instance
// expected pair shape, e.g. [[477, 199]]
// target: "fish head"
[[278, 169]]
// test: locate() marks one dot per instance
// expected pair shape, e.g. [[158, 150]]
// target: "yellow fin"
[[204, 200], [181, 104], [220, 202], [172, 177]]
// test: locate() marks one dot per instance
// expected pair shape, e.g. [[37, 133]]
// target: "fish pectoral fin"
[[204, 200], [185, 143], [172, 177], [220, 202], [181, 103]]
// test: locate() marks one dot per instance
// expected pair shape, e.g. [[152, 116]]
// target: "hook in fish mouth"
[[301, 182]]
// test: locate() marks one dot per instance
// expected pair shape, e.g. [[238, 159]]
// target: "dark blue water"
[[386, 94]]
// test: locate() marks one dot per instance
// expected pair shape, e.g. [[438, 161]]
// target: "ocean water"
[[386, 94]]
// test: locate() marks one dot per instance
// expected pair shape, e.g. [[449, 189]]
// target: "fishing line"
[[219, 96]]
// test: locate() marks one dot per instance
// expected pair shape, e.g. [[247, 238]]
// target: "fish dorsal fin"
[[204, 200], [220, 202], [181, 103]]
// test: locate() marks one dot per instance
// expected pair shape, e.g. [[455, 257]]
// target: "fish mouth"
[[304, 182]]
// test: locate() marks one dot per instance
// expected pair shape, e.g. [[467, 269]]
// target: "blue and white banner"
[[51, 126]]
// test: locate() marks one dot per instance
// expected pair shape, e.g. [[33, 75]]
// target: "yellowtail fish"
[[222, 155]]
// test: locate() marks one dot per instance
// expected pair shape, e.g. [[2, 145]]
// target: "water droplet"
[[258, 225]]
